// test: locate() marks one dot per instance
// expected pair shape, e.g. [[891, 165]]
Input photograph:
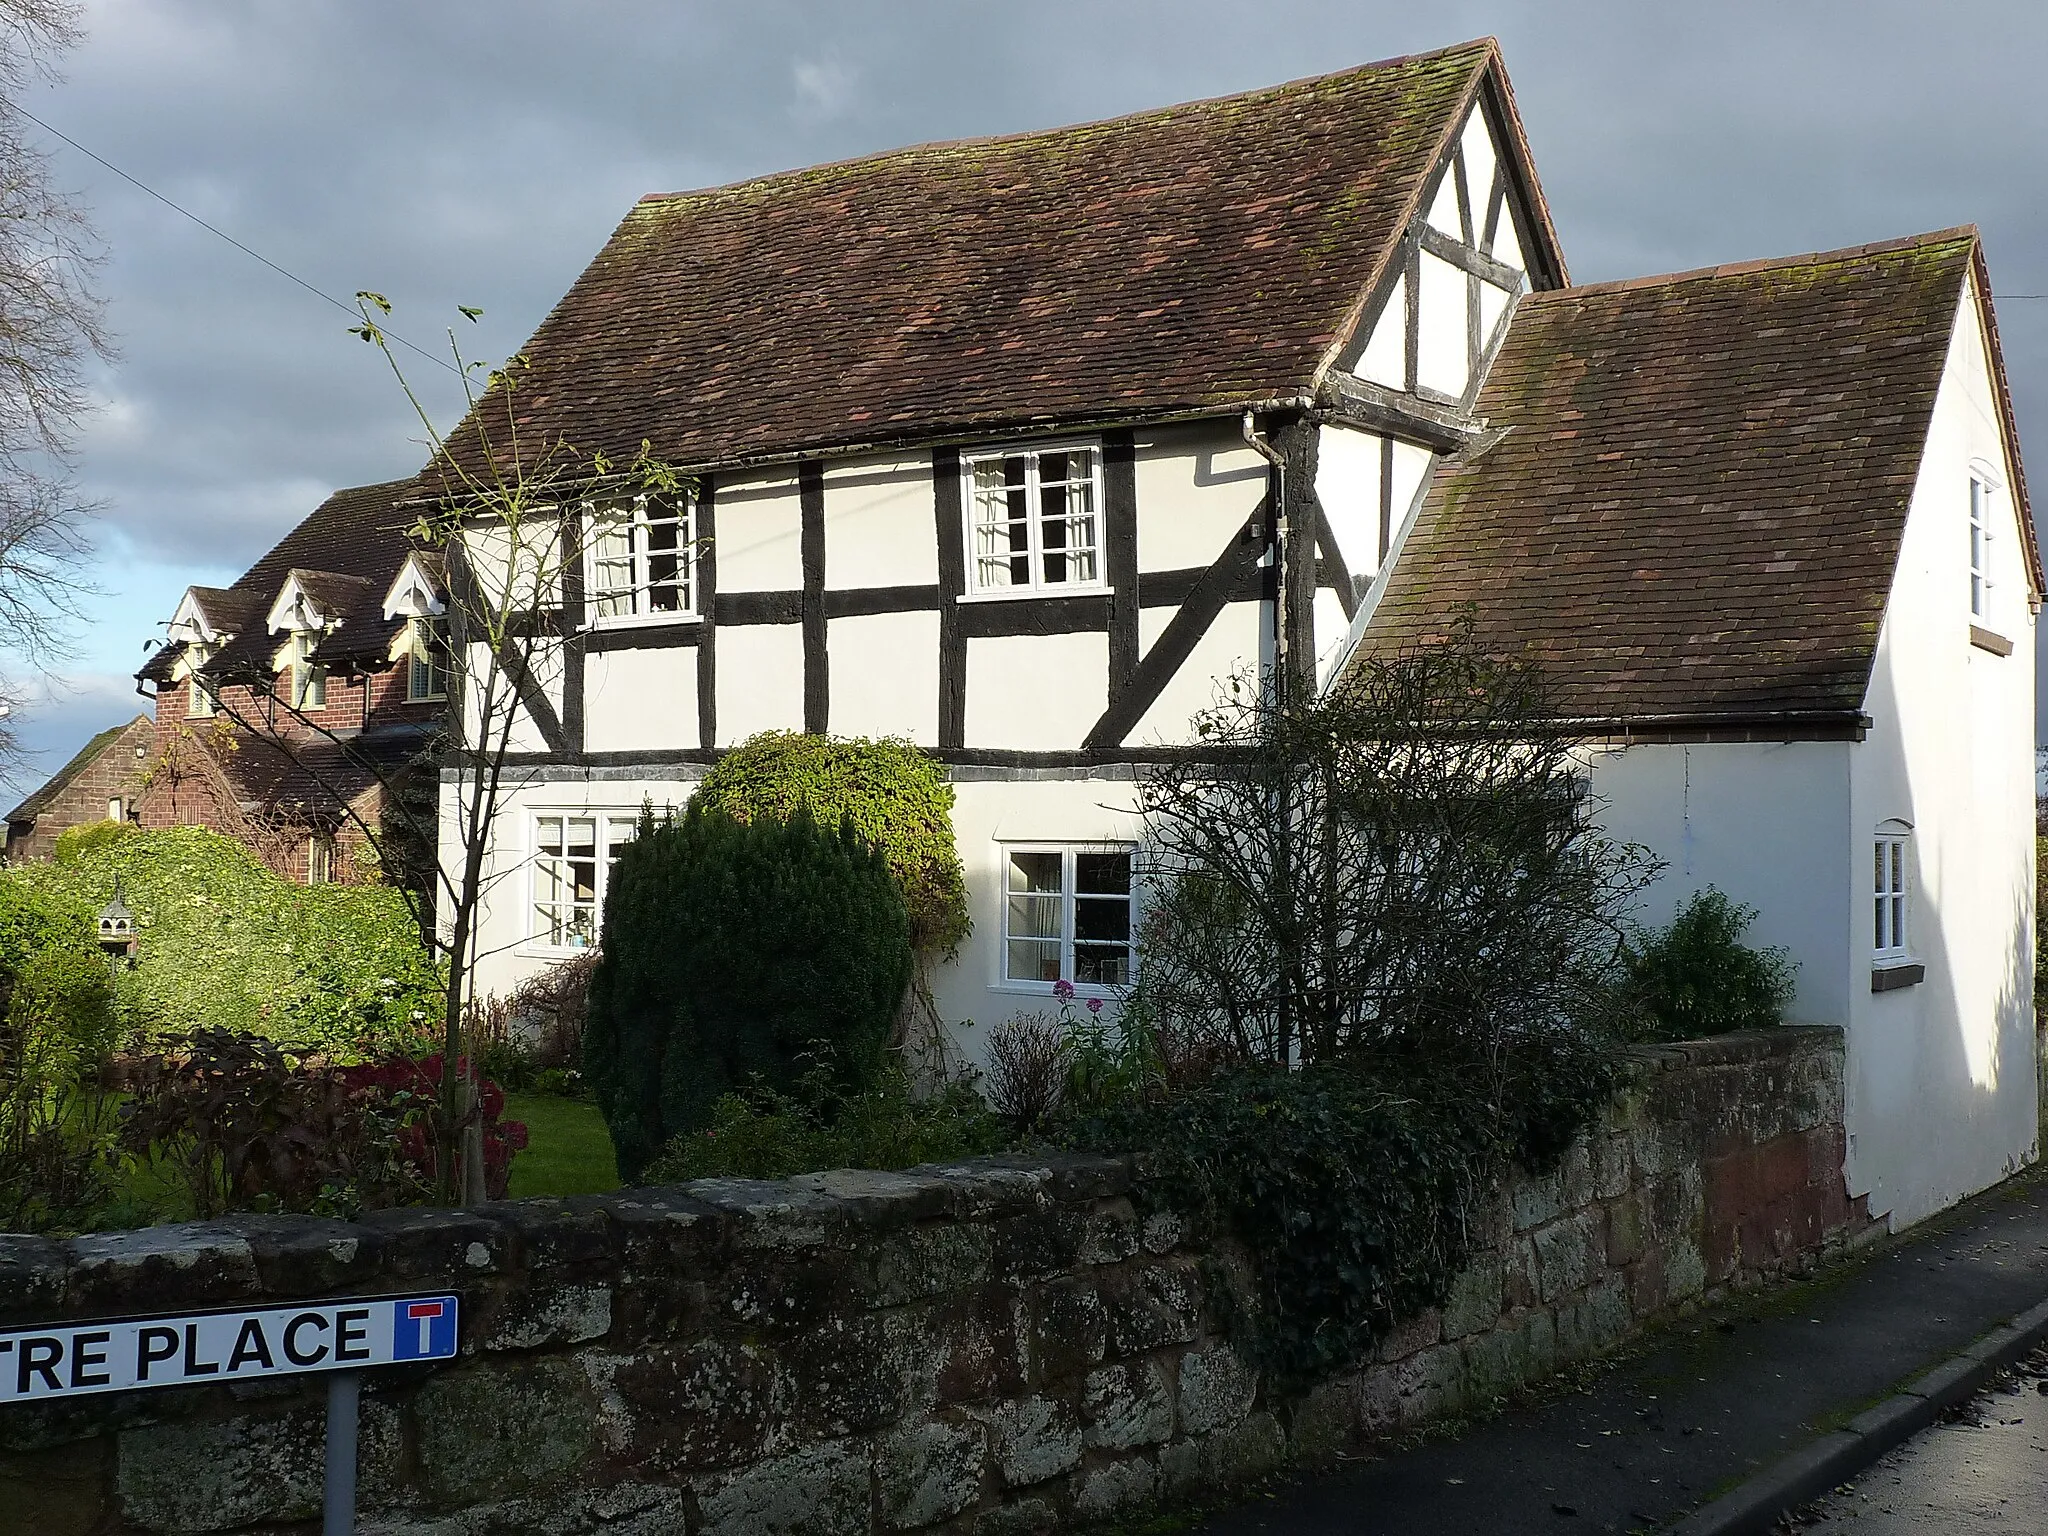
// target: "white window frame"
[[1980, 545], [320, 859], [600, 587], [200, 704], [1035, 551], [117, 808], [1069, 899], [421, 662], [535, 941], [309, 682], [1891, 927]]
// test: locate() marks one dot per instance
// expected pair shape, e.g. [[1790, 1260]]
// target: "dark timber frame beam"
[[1353, 402], [705, 630]]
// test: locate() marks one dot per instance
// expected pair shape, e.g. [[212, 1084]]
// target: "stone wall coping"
[[1739, 1046], [222, 1263]]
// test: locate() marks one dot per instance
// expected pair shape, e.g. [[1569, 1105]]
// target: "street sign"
[[187, 1349]]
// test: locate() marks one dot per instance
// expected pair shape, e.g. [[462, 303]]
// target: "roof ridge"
[[1763, 264], [1487, 46]]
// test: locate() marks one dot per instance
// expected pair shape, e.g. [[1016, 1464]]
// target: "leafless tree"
[[507, 516], [1409, 864], [52, 324]]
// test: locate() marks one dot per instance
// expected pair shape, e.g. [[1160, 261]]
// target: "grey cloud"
[[479, 151]]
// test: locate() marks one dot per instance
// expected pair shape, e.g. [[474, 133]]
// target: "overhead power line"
[[293, 277]]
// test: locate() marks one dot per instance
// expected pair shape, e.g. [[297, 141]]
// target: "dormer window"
[[642, 562], [200, 702], [309, 682], [427, 669], [1033, 520]]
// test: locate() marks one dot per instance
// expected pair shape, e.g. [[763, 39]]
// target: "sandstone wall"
[[999, 1346]]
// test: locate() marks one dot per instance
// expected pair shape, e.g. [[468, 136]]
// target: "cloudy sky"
[[479, 151]]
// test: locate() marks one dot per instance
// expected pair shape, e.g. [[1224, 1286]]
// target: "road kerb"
[[1812, 1470]]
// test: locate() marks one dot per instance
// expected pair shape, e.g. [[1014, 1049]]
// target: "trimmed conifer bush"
[[734, 955]]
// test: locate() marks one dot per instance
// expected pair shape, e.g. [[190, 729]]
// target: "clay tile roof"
[[357, 537], [317, 777], [229, 610], [334, 592], [1201, 256], [1698, 505]]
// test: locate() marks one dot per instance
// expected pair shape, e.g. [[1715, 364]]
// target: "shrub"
[[1027, 1070], [1347, 1199], [228, 944], [895, 796], [244, 1123], [58, 1031], [732, 951], [764, 1134], [1696, 977]]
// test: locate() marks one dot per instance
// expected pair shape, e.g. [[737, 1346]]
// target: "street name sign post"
[[342, 1338]]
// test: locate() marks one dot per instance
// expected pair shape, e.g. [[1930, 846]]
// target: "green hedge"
[[227, 943]]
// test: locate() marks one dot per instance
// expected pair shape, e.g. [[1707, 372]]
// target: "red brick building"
[[104, 782], [298, 706]]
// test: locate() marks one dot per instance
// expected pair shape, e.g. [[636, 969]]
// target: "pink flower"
[[1063, 989], [1095, 1005]]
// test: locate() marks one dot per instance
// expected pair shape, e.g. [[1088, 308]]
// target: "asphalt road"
[[1984, 1470]]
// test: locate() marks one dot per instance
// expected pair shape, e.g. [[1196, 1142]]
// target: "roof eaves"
[[2008, 425]]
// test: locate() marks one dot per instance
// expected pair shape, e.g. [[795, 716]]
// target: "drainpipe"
[[1278, 506]]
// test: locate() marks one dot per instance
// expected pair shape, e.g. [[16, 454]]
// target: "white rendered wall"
[[986, 815], [1032, 692], [1196, 485], [1942, 1082], [760, 534], [879, 529], [1230, 648], [634, 700], [760, 683], [1765, 823], [885, 675]]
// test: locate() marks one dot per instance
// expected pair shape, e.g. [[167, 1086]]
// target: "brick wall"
[[1002, 1345], [115, 772]]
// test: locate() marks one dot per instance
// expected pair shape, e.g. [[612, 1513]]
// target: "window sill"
[[643, 621], [533, 951], [1987, 640], [1891, 975], [1083, 991], [435, 698], [1027, 594]]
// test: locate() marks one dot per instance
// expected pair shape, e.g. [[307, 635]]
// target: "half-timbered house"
[[1020, 448]]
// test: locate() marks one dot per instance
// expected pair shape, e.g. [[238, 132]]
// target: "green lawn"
[[568, 1151]]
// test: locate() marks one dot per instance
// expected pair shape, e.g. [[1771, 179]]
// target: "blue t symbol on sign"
[[423, 1330]]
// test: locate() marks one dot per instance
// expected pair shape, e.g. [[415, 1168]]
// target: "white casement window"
[[427, 670], [320, 861], [1980, 547], [573, 855], [1067, 915], [1888, 931], [642, 565], [1033, 519], [116, 811], [200, 702], [309, 682]]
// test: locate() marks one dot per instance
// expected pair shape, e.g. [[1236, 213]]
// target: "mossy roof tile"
[[1697, 507]]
